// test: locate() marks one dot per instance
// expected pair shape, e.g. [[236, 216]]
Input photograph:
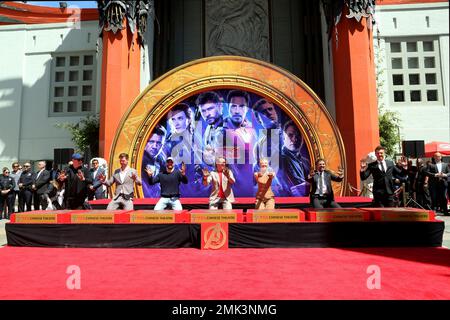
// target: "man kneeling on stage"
[[170, 180], [321, 195], [124, 178], [221, 180]]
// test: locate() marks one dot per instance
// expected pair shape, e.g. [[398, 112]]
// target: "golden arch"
[[296, 99]]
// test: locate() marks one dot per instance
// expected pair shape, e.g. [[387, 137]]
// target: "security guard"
[[25, 183], [7, 185]]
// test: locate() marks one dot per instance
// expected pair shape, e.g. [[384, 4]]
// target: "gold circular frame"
[[295, 98]]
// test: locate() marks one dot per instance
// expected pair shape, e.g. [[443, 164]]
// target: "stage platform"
[[240, 203], [280, 228]]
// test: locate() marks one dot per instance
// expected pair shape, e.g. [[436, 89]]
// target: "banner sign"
[[240, 126], [276, 216], [401, 214], [152, 217], [40, 218], [213, 217], [91, 218], [337, 215]]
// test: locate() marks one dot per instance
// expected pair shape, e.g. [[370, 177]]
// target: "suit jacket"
[[74, 187], [213, 179], [42, 182], [327, 177], [127, 186], [419, 180], [432, 170], [382, 181], [96, 182]]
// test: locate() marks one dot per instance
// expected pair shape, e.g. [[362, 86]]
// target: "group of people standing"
[[426, 183], [429, 183], [50, 189], [23, 184]]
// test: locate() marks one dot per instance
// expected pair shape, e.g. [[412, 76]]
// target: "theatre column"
[[355, 91], [120, 82], [123, 25]]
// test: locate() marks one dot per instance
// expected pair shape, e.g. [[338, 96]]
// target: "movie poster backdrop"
[[240, 126]]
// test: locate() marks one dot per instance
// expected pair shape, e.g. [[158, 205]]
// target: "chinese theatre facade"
[[290, 81]]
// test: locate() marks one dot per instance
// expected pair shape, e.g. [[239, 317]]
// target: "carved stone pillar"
[[234, 27]]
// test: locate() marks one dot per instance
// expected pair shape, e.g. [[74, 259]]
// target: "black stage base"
[[245, 235]]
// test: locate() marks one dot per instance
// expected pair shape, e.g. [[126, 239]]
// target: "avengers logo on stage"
[[240, 126]]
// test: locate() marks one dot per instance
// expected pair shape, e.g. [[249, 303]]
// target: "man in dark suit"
[[40, 186], [438, 173], [96, 189], [321, 195], [420, 187], [26, 193], [383, 184]]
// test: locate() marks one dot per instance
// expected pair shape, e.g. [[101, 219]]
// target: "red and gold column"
[[120, 82], [355, 91]]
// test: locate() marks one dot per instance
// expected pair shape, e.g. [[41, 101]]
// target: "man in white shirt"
[[321, 195], [383, 184], [124, 178]]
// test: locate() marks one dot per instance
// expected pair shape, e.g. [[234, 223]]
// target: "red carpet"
[[243, 274]]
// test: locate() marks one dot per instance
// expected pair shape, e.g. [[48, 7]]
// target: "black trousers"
[[439, 196], [323, 202], [25, 199], [76, 203], [423, 198], [382, 199], [6, 204], [40, 201]]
